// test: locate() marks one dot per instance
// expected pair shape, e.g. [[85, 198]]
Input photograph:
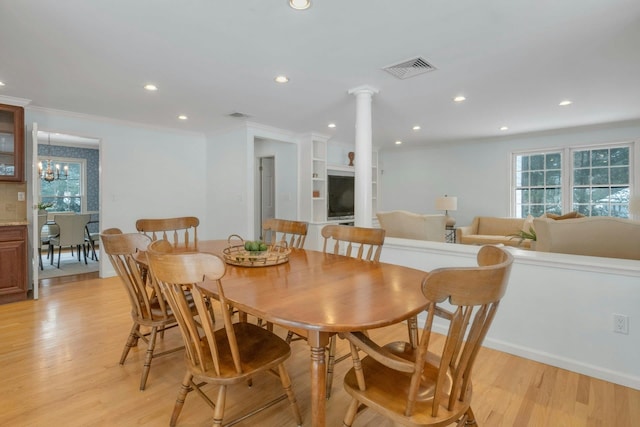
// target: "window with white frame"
[[66, 194], [601, 181], [595, 181], [538, 183]]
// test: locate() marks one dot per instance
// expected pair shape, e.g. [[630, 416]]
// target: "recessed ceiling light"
[[300, 4], [398, 142], [416, 127], [182, 117], [151, 87], [565, 103], [331, 125], [282, 79], [459, 98], [1, 83], [504, 128]]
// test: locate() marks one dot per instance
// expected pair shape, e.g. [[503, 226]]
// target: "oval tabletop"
[[323, 292]]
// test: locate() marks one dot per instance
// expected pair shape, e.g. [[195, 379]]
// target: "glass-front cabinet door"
[[11, 143]]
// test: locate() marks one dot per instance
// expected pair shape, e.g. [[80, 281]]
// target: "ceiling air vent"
[[239, 115], [410, 68]]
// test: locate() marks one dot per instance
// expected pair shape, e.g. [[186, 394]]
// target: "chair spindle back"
[[369, 241], [180, 232], [293, 233]]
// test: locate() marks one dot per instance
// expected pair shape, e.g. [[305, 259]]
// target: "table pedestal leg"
[[318, 342]]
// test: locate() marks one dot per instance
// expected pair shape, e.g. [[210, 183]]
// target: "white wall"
[[226, 184], [286, 175], [145, 172], [230, 177], [558, 308], [478, 173]]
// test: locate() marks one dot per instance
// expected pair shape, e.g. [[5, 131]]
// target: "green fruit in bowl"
[[247, 245], [263, 247], [255, 246]]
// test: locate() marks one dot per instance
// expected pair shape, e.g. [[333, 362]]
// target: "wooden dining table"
[[322, 294]]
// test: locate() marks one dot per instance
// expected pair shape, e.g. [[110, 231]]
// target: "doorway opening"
[[266, 191], [75, 192]]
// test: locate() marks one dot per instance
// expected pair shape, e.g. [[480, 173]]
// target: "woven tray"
[[236, 254]]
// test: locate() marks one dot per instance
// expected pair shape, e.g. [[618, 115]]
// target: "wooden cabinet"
[[13, 263], [11, 143]]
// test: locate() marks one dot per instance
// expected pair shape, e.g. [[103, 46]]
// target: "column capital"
[[363, 89]]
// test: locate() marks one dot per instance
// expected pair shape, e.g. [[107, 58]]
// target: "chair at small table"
[[181, 231], [148, 307], [230, 355], [44, 238], [424, 386], [293, 233], [72, 233], [92, 237]]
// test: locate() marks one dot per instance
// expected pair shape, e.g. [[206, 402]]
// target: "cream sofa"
[[493, 230], [594, 236], [409, 225]]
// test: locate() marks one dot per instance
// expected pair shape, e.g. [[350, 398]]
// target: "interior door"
[[35, 191], [267, 190]]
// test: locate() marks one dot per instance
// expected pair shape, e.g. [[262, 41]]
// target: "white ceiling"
[[514, 60]]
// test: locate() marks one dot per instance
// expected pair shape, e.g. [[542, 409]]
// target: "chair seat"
[[258, 349], [383, 382]]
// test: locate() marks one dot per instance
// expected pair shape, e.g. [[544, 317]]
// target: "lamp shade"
[[447, 203]]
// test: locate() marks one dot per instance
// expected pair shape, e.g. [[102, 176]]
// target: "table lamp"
[[447, 204]]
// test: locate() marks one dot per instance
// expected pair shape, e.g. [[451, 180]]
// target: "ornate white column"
[[364, 148]]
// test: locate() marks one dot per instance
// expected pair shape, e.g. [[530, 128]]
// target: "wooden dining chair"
[[225, 356], [71, 234], [359, 242], [293, 233], [181, 231], [431, 385], [149, 309]]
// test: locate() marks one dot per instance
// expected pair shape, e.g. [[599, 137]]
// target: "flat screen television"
[[341, 199]]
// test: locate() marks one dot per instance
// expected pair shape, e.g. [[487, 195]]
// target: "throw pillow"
[[570, 215]]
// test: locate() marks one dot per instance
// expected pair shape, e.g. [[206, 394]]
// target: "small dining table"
[[322, 294]]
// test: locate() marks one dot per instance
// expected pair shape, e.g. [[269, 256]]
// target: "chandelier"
[[50, 173]]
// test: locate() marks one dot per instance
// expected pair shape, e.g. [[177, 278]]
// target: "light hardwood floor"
[[59, 367]]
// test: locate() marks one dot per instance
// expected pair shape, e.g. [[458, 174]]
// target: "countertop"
[[10, 222]]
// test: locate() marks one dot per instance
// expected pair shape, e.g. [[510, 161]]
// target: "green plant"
[[523, 235], [42, 205]]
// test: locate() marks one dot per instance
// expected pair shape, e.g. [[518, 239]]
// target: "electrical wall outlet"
[[621, 323], [21, 196]]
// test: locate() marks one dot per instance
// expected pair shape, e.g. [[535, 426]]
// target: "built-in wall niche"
[[338, 154]]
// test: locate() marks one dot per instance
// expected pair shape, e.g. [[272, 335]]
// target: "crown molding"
[[10, 100], [109, 120]]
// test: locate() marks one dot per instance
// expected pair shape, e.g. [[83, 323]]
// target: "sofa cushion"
[[499, 226], [570, 215], [593, 236], [410, 225]]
